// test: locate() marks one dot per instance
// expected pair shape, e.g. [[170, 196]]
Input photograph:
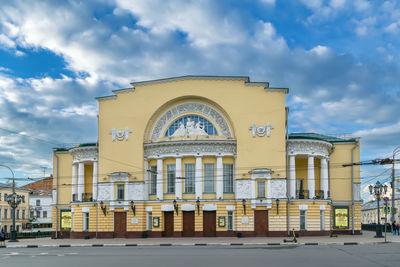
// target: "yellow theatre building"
[[204, 156]]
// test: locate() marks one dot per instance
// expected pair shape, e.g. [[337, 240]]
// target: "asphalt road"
[[323, 255]]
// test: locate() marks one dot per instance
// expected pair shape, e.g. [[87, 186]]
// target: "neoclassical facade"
[[204, 156]]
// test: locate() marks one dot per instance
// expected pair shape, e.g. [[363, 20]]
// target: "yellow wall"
[[341, 176], [64, 177], [134, 110]]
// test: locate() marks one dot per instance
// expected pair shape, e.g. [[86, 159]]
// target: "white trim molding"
[[210, 207], [303, 207], [187, 207], [167, 207]]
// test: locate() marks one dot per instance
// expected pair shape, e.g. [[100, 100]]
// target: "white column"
[[146, 179], [324, 177], [160, 182], [292, 182], [81, 180], [220, 178], [311, 177], [94, 191], [178, 178], [74, 179], [198, 178]]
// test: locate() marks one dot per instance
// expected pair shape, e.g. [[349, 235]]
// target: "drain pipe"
[[329, 190], [287, 175], [352, 187], [55, 154]]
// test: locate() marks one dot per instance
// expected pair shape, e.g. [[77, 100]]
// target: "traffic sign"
[[388, 210]]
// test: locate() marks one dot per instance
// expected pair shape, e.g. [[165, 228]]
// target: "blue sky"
[[340, 59]]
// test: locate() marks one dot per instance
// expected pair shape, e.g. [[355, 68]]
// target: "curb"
[[195, 244]]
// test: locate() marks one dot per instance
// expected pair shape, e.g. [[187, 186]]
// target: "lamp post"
[[395, 151], [378, 190], [13, 200]]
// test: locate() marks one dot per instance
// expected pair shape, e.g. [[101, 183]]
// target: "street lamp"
[[378, 190], [13, 200]]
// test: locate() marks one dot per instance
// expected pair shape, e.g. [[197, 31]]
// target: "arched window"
[[191, 125]]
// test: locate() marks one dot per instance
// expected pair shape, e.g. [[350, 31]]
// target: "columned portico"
[[310, 150]]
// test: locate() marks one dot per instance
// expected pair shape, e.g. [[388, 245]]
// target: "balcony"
[[74, 197], [302, 194]]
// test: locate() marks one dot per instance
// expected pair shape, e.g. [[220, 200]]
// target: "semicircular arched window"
[[190, 125]]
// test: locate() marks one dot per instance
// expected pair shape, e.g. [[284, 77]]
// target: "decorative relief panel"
[[191, 107], [119, 176], [189, 147], [104, 191], [81, 154], [309, 147], [243, 188], [136, 190], [278, 188]]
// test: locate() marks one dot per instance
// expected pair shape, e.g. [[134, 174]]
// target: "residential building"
[[40, 204], [204, 156], [21, 212]]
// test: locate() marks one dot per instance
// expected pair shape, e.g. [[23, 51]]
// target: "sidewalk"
[[365, 238]]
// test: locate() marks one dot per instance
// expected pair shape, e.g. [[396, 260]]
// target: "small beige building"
[[21, 212]]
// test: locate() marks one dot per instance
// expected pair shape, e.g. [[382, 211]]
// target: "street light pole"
[[13, 201], [395, 151], [378, 190]]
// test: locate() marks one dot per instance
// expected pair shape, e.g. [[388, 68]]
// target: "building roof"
[[9, 186], [371, 205], [41, 188], [321, 137], [60, 149], [245, 79]]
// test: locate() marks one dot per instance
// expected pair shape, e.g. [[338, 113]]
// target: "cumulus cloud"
[[331, 91]]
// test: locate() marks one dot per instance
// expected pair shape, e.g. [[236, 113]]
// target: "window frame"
[[263, 195], [171, 178], [190, 176], [228, 178], [120, 193], [230, 221], [153, 180], [304, 216], [85, 226], [209, 178]]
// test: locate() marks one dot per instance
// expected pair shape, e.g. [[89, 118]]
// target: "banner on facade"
[[341, 217], [66, 219]]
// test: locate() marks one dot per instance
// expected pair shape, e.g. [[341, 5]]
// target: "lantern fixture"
[[133, 207]]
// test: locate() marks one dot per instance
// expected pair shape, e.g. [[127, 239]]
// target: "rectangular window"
[[23, 214], [38, 214], [5, 214], [149, 221], [230, 220], [153, 180], [44, 214], [17, 214], [171, 178], [86, 221], [209, 178], [37, 202], [189, 178], [5, 228], [261, 189], [120, 191], [322, 218], [32, 214], [228, 178], [303, 215]]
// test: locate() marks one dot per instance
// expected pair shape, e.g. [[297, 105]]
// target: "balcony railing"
[[319, 194], [74, 197], [302, 194], [87, 197]]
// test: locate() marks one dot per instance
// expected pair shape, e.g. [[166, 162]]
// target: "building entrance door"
[[261, 222], [168, 223], [188, 223], [209, 223], [119, 224]]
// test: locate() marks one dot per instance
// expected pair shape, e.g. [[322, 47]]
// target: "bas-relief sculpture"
[[189, 129]]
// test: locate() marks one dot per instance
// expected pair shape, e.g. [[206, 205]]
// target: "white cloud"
[[337, 4], [362, 5], [6, 42], [269, 2]]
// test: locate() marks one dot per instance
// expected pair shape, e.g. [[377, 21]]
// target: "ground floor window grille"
[[230, 220], [303, 214], [149, 221], [322, 218]]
